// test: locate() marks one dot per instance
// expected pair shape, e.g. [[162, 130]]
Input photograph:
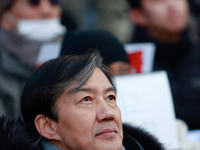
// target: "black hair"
[[50, 80], [135, 3]]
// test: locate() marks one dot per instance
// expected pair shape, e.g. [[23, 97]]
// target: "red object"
[[38, 65], [135, 60]]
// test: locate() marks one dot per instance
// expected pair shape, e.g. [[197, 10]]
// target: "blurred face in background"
[[30, 9], [165, 15], [119, 68]]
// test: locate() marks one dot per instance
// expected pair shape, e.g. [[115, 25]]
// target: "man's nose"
[[45, 9], [172, 5], [105, 112]]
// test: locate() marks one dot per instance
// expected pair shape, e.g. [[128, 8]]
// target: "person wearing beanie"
[[25, 25], [112, 51]]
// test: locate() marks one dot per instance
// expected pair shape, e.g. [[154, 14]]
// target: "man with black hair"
[[166, 23], [70, 103]]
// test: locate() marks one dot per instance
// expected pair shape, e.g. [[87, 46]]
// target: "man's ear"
[[46, 127], [138, 17]]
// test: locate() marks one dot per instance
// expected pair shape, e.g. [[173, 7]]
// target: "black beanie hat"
[[4, 4], [78, 42], [135, 3]]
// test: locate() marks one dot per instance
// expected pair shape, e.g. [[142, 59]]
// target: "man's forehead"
[[90, 83], [89, 88]]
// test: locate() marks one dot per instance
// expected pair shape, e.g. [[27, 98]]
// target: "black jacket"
[[181, 61], [134, 136], [13, 136]]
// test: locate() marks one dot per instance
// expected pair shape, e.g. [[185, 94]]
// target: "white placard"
[[147, 52], [48, 51], [145, 100], [193, 135]]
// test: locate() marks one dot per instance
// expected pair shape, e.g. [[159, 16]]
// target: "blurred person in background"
[[167, 24], [25, 25], [112, 51], [109, 15], [113, 16], [195, 10]]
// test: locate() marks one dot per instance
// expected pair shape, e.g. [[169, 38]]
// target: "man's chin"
[[109, 142]]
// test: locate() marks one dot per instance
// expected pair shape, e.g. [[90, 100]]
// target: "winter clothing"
[[79, 42], [185, 142], [18, 57], [13, 76], [182, 63], [141, 137], [47, 145], [13, 136], [23, 49], [17, 60]]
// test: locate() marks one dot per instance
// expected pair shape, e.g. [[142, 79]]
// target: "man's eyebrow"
[[74, 90], [110, 89]]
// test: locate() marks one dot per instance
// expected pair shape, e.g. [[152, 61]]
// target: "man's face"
[[90, 118], [165, 15]]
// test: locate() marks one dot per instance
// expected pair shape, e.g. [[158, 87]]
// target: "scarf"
[[23, 49]]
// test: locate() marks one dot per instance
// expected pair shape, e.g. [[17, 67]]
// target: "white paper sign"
[[48, 51], [141, 56], [145, 100]]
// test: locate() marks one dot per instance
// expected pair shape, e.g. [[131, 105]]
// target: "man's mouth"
[[107, 132]]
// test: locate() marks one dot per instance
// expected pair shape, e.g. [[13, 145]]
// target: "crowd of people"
[[166, 23], [27, 25]]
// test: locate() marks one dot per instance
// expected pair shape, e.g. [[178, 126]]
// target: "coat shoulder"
[[13, 135], [144, 138]]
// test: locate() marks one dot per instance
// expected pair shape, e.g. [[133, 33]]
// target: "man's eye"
[[111, 97], [87, 99]]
